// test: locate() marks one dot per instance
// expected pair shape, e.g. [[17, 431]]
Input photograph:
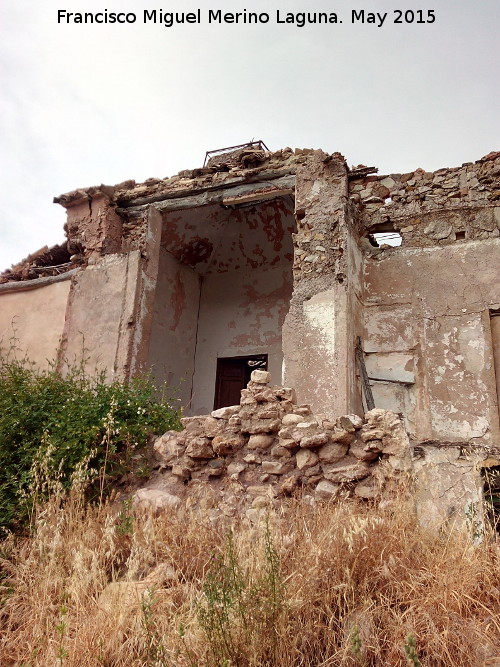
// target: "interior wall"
[[224, 286], [35, 319], [173, 334], [241, 313], [428, 340]]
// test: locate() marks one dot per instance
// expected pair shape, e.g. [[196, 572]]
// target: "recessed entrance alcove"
[[223, 290]]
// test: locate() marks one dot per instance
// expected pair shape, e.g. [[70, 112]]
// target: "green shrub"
[[241, 611], [65, 421]]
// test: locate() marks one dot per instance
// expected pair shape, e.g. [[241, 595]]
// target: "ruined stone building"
[[277, 261]]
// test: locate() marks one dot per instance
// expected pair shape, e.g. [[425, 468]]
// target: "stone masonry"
[[269, 447]]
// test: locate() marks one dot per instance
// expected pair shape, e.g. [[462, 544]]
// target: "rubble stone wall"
[[268, 446], [433, 208], [245, 458]]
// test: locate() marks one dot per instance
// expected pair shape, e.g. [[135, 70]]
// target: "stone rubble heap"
[[269, 447]]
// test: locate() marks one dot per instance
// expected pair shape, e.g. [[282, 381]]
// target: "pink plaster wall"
[[173, 335], [241, 259], [35, 318]]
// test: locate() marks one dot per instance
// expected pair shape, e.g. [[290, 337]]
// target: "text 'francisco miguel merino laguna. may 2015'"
[[218, 17]]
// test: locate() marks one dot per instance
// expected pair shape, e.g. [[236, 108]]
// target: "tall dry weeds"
[[348, 584]]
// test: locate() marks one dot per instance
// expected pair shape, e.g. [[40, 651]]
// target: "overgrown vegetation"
[[94, 584], [239, 608], [62, 425], [345, 585]]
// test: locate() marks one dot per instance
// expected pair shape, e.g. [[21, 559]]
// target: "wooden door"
[[233, 375]]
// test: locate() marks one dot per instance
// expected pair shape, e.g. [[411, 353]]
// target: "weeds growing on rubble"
[[346, 584]]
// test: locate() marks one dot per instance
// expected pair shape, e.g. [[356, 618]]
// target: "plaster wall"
[[101, 315], [428, 339], [175, 321], [320, 329], [241, 314], [35, 318], [245, 294], [223, 290]]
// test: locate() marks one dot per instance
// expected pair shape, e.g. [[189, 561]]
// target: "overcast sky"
[[89, 104]]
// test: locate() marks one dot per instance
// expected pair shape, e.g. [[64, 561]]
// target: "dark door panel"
[[233, 375]]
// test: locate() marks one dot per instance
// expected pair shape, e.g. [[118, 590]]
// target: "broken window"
[[384, 234], [392, 239]]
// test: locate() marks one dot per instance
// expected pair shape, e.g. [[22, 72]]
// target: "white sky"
[[89, 104]]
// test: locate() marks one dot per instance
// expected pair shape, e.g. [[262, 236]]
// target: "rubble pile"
[[41, 264], [269, 447]]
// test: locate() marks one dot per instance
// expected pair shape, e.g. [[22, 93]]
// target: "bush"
[[63, 422]]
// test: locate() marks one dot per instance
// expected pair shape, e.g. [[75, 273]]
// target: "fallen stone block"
[[342, 436], [199, 448], [260, 425], [260, 441], [234, 469], [316, 440], [326, 490], [213, 427], [260, 377], [275, 467], [225, 413], [261, 490], [348, 469], [170, 446], [368, 489], [291, 419], [332, 452], [226, 444], [350, 422], [154, 500], [365, 451]]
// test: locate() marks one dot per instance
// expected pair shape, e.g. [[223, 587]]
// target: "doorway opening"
[[491, 478], [233, 375], [223, 291], [495, 339]]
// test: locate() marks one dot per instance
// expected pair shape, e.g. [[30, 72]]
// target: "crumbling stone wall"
[[323, 321], [433, 208], [245, 458], [269, 446], [422, 313]]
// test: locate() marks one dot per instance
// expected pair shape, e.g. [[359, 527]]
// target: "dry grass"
[[314, 586]]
